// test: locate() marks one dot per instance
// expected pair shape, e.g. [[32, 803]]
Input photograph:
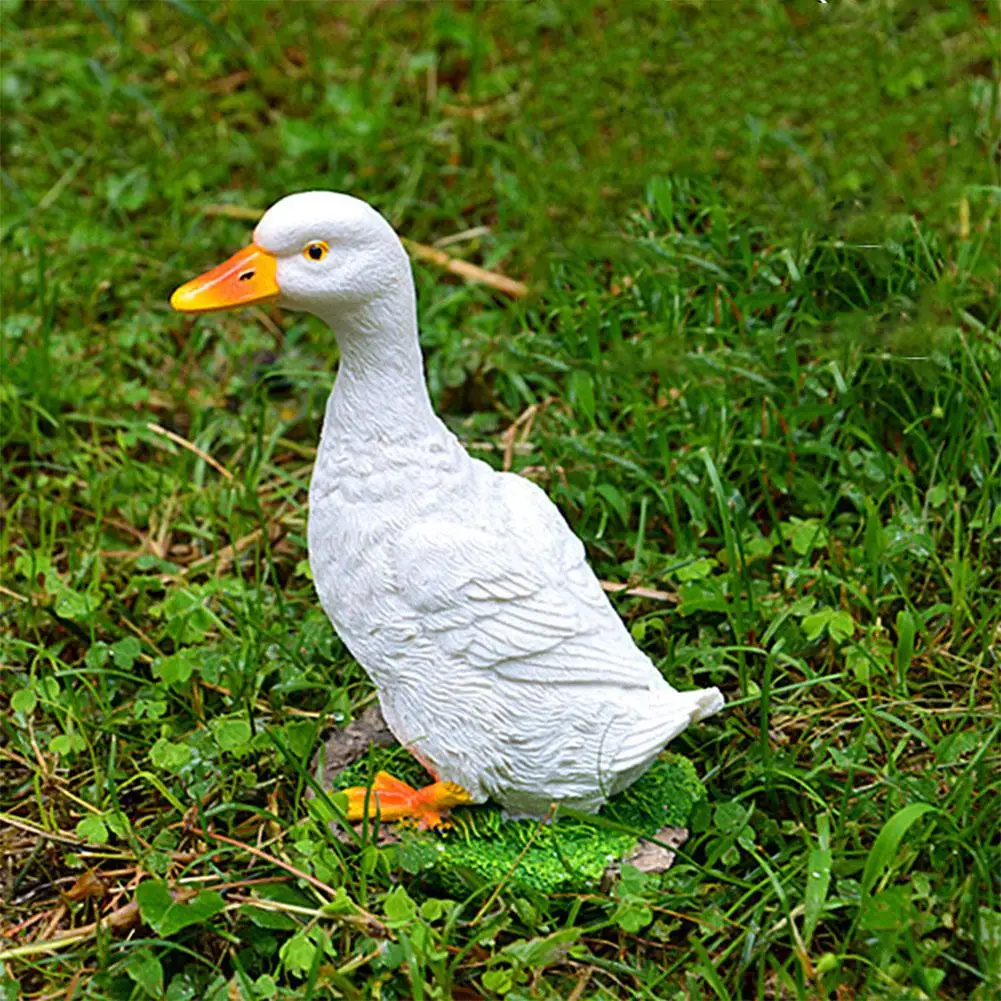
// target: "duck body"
[[463, 593], [497, 657]]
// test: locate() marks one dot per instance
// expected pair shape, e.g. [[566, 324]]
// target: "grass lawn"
[[758, 367]]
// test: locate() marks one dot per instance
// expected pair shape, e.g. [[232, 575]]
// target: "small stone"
[[347, 745], [648, 856]]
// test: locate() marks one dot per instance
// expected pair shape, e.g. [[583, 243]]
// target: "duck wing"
[[517, 598]]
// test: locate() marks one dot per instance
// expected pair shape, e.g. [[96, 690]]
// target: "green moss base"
[[568, 855]]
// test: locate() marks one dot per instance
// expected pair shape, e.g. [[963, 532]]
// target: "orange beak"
[[248, 277]]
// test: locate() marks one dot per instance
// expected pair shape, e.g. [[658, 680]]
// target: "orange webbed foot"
[[391, 799]]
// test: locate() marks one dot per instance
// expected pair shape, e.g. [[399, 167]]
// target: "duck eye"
[[316, 250]]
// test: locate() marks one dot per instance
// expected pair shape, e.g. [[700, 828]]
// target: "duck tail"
[[705, 702], [663, 720]]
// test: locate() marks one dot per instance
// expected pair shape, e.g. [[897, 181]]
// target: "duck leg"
[[392, 799]]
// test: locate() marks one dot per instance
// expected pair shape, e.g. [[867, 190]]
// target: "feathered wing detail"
[[521, 600]]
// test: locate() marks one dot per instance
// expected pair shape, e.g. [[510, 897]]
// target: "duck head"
[[317, 251]]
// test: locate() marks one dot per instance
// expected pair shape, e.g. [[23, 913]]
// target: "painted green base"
[[568, 855]]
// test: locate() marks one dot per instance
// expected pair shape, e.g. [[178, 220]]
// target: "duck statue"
[[498, 659]]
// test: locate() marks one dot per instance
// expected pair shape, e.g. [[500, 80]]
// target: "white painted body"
[[463, 593]]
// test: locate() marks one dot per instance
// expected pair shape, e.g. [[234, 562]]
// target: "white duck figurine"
[[498, 659]]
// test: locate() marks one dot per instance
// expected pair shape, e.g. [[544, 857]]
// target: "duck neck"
[[379, 394]]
